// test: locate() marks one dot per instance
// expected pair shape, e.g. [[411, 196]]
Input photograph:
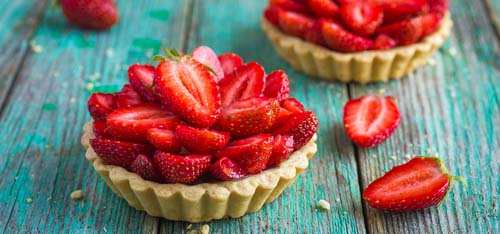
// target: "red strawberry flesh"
[[277, 85], [207, 56], [226, 169], [245, 82], [229, 62], [201, 141], [91, 14], [141, 78], [362, 18], [164, 140], [101, 104], [128, 97], [301, 126], [119, 153], [282, 148], [342, 40], [143, 166], [181, 169]]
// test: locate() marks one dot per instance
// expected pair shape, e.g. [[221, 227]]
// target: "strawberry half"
[[301, 126], [290, 5], [132, 123], [384, 42], [293, 105], [128, 97], [226, 169], [282, 148], [143, 166], [324, 8], [100, 128], [277, 85], [207, 56], [164, 140], [405, 32], [430, 23], [295, 24], [397, 10], [341, 40], [201, 141], [246, 81], [100, 105], [271, 14], [181, 169], [439, 7], [251, 154], [119, 153], [230, 61], [249, 116], [188, 89], [420, 183], [141, 78], [362, 18], [315, 34], [92, 14], [370, 120]]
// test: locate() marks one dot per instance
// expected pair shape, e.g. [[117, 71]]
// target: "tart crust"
[[200, 202], [362, 67]]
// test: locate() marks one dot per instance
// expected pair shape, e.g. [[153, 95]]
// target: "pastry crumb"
[[452, 51], [35, 47], [205, 229], [110, 52], [324, 204], [89, 86], [189, 227], [77, 194], [29, 200]]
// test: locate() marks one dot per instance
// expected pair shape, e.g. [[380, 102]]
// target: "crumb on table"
[[77, 194], [324, 204], [205, 229]]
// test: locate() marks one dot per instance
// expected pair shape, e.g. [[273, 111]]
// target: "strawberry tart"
[[200, 136], [357, 40]]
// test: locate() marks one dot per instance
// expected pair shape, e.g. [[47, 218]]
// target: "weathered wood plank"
[[451, 109], [43, 161], [234, 26], [493, 9]]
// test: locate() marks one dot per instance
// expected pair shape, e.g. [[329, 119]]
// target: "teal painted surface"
[[451, 109]]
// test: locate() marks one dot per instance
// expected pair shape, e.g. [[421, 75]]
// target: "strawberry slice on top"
[[201, 141], [101, 104], [363, 18], [229, 62], [141, 78], [181, 169], [324, 8], [226, 169], [128, 97], [342, 40], [301, 126], [119, 153], [397, 10], [294, 23], [164, 140], [277, 85], [246, 81], [207, 56]]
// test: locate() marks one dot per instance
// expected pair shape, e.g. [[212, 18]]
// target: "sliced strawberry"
[[271, 14], [246, 81], [420, 183], [188, 89], [282, 148], [277, 85], [143, 166], [201, 141], [341, 40], [230, 61], [128, 97], [290, 5], [362, 18], [141, 78], [397, 10], [132, 123], [314, 34], [430, 23], [324, 8], [207, 56], [370, 120], [249, 116], [405, 32], [384, 42], [439, 7], [181, 169], [119, 153], [164, 140], [226, 169], [301, 126], [251, 154], [100, 128], [90, 14], [345, 2], [101, 104], [293, 105], [295, 24], [281, 119]]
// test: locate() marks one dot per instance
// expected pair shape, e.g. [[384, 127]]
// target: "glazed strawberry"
[[324, 8], [143, 166], [249, 116], [293, 105], [141, 78], [341, 40], [420, 183], [188, 89], [119, 153], [289, 106], [290, 5], [101, 104], [251, 154], [430, 23], [370, 120], [164, 140], [283, 116], [384, 42], [246, 81], [439, 7], [315, 33], [128, 97], [295, 24], [132, 123], [92, 14], [100, 128], [229, 62], [301, 126], [181, 169], [201, 141], [404, 32], [277, 85], [282, 148], [226, 169], [271, 14], [362, 18], [397, 10], [207, 56]]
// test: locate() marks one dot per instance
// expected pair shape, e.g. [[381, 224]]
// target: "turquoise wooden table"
[[48, 68]]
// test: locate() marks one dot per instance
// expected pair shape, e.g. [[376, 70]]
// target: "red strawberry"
[[290, 5], [439, 7], [397, 10], [181, 169], [295, 24], [341, 40], [132, 123], [362, 18], [420, 183], [128, 97], [188, 89], [101, 128], [281, 119], [370, 120], [271, 14], [164, 140], [282, 148], [92, 14], [430, 23], [314, 34], [230, 61], [101, 104], [143, 166], [384, 42], [226, 169], [301, 126], [251, 154], [293, 105], [201, 141], [277, 85], [207, 56], [141, 78], [404, 32], [249, 116], [119, 153], [245, 82], [324, 8]]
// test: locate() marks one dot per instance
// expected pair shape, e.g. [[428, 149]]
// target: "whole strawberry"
[[90, 14]]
